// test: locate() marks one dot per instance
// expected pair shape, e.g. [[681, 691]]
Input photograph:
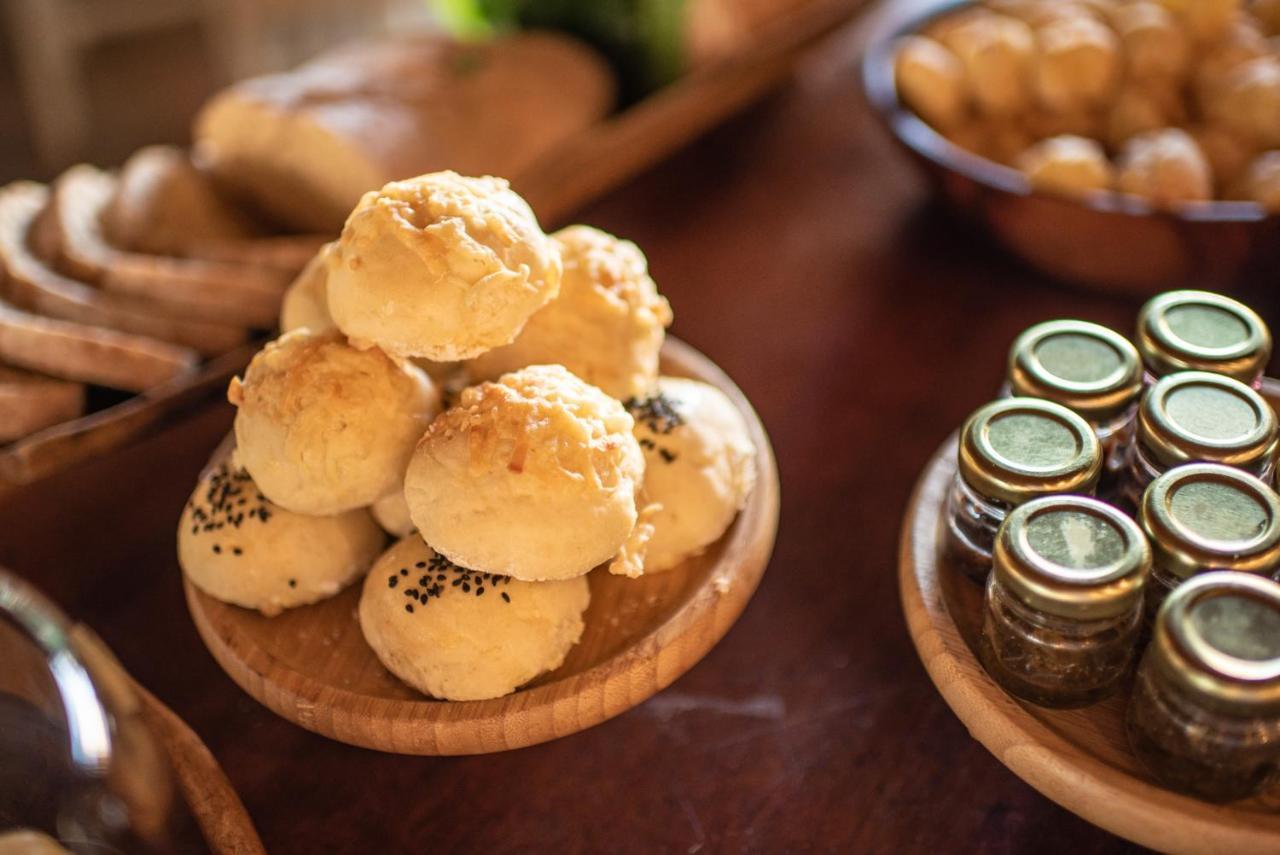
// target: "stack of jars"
[[1117, 499]]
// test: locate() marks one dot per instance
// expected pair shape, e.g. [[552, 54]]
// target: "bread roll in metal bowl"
[[1107, 241]]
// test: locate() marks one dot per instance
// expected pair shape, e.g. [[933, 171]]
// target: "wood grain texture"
[[1079, 758], [800, 251], [62, 445], [217, 810], [312, 666]]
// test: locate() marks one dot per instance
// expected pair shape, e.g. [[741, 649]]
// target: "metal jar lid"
[[1016, 449], [1218, 636], [1196, 416], [1073, 557], [1086, 367], [1202, 331], [1210, 517]]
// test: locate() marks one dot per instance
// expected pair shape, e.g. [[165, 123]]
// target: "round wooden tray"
[[1078, 758], [311, 665]]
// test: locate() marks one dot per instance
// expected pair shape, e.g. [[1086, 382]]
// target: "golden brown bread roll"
[[238, 546], [607, 326], [440, 266], [534, 476], [323, 427], [305, 145]]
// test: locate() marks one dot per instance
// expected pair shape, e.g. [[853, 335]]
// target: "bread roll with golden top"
[[440, 266], [459, 635], [700, 467], [1078, 63], [323, 427], [931, 80], [238, 546], [1155, 47], [1242, 42], [1227, 153], [607, 325], [533, 476], [306, 303], [1205, 20], [1248, 102], [1166, 168], [1067, 165], [392, 513], [997, 53]]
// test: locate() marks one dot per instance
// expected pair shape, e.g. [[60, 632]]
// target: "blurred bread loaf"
[[303, 146]]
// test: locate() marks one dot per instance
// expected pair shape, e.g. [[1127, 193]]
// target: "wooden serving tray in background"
[[601, 158], [1078, 758], [312, 666]]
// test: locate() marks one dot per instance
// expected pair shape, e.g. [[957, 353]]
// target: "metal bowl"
[[1108, 241]]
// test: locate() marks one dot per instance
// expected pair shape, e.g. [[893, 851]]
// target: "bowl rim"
[[913, 132]]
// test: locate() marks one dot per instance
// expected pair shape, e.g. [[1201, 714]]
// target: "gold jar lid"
[[1196, 416], [1206, 516], [1202, 331], [1089, 368], [1072, 556], [1218, 635], [1016, 449]]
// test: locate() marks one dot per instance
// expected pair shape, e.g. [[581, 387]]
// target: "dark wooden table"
[[801, 253]]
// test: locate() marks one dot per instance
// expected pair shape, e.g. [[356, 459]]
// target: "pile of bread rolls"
[[126, 281], [1172, 101], [490, 396]]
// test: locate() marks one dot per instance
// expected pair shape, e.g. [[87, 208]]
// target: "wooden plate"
[[311, 665], [1078, 758]]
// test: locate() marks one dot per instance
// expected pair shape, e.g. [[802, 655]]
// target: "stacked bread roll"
[[1174, 102], [125, 281], [560, 450]]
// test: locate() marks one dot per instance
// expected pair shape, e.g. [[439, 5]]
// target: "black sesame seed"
[[408, 607], [466, 589], [391, 581], [480, 590], [506, 598], [217, 550], [420, 564], [404, 571], [237, 550], [293, 583]]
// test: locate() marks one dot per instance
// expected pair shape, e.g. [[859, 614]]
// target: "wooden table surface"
[[800, 252]]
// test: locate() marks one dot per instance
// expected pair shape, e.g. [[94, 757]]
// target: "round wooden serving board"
[[311, 665], [1078, 758]]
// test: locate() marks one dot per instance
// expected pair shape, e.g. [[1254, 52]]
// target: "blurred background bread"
[[303, 146]]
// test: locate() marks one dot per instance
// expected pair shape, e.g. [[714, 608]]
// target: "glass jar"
[[1204, 517], [1194, 416], [1064, 601], [1089, 369], [1204, 716], [79, 762], [1011, 451], [1202, 331]]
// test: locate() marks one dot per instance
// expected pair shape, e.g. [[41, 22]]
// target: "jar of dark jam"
[[1064, 601], [1091, 370], [1204, 716], [1204, 517], [1192, 417], [1202, 331], [1011, 451]]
